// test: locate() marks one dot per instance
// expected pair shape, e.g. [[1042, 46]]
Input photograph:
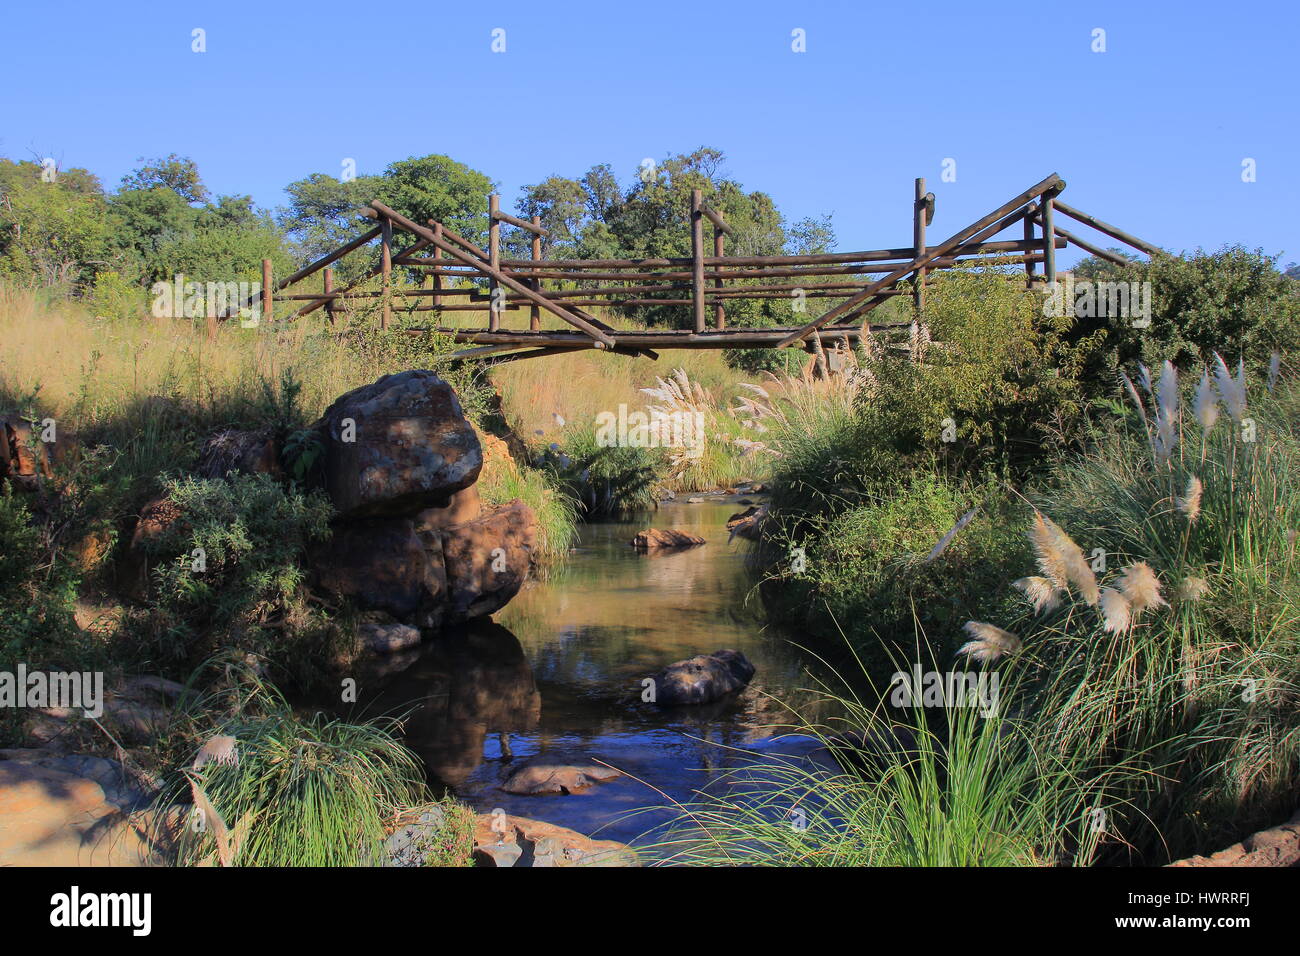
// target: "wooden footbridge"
[[565, 288]]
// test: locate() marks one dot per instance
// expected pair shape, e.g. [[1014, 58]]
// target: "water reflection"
[[562, 669]]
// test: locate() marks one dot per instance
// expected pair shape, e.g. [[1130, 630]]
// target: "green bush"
[[1203, 688], [867, 571], [605, 480], [229, 573], [1234, 302]]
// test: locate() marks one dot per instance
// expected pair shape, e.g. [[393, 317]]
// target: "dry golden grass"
[[580, 385], [99, 365]]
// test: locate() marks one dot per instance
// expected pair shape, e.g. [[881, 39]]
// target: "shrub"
[[871, 571], [555, 508], [1234, 301], [230, 573]]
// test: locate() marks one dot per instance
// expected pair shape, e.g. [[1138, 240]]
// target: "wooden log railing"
[[706, 279]]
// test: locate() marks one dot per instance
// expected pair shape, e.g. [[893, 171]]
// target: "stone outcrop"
[[556, 772], [78, 810], [657, 539], [397, 446], [411, 538], [702, 679], [1277, 847], [504, 840], [411, 541]]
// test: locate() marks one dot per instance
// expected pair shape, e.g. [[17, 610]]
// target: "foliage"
[[1202, 687], [50, 231], [542, 491], [229, 571], [1234, 302], [868, 572]]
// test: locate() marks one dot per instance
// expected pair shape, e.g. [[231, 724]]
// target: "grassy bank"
[[1119, 553]]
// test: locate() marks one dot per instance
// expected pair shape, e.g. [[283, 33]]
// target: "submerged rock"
[[556, 773], [654, 539], [384, 636], [702, 679]]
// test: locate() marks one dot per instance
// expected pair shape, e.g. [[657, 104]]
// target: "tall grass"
[[271, 788], [945, 787], [1204, 681]]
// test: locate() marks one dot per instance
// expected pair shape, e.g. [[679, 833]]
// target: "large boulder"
[[397, 446], [487, 560], [381, 564], [702, 679]]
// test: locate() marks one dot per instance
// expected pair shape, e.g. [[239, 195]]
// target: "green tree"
[[180, 174], [52, 229]]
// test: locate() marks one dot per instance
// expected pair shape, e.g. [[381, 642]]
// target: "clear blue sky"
[[1150, 134]]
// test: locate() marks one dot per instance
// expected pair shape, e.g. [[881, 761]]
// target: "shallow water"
[[560, 668]]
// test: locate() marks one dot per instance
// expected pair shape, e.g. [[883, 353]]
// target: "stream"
[[560, 668]]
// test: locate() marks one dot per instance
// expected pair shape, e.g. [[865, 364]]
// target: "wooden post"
[[329, 287], [437, 277], [1030, 265], [990, 225], [494, 257], [1049, 234], [719, 309], [535, 316], [268, 295], [386, 270], [697, 259], [918, 246]]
